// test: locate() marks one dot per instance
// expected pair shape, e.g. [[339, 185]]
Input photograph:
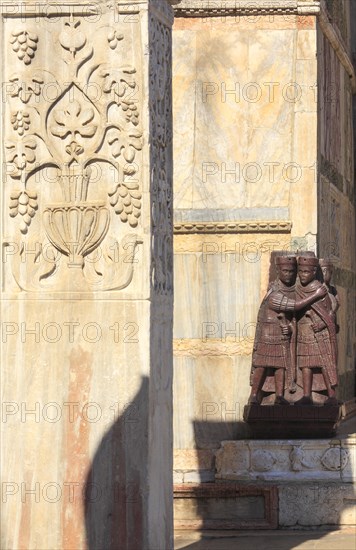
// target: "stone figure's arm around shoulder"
[[279, 302], [319, 294]]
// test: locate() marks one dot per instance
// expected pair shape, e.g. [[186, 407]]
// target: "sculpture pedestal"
[[292, 421], [314, 478]]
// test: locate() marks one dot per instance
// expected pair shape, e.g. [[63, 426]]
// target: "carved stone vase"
[[76, 227]]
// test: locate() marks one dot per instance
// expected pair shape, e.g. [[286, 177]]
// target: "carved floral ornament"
[[70, 132]]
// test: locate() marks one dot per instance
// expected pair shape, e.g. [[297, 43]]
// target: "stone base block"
[[315, 479], [292, 421], [225, 506], [317, 505], [287, 460]]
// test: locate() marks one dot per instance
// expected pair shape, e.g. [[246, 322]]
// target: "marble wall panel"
[[67, 400], [301, 114], [237, 84], [219, 286], [209, 393], [241, 78]]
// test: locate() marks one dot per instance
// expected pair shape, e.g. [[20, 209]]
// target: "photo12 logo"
[[53, 11]]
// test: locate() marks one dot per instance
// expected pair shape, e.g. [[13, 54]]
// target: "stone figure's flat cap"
[[286, 260], [326, 262], [308, 260]]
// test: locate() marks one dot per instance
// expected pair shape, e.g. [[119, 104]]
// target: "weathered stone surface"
[[225, 506], [201, 476], [287, 460], [232, 177], [193, 459], [87, 276], [302, 76], [316, 505]]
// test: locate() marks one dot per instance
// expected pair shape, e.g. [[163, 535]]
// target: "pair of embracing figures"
[[295, 342]]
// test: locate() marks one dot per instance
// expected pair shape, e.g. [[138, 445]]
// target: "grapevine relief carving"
[[69, 134]]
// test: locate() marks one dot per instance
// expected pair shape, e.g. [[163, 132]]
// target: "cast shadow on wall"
[[116, 484]]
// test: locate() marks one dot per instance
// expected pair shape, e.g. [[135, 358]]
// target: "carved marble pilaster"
[[87, 274]]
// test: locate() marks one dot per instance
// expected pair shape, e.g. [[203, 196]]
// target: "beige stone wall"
[[249, 132], [245, 152]]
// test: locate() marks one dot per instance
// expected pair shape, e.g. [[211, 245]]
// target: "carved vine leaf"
[[126, 200], [126, 144], [71, 121], [20, 121], [118, 80], [25, 204], [21, 153], [123, 90], [25, 90], [25, 45]]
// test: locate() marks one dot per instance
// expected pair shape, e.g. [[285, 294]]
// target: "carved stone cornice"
[[57, 8], [223, 8], [233, 227], [214, 8], [54, 8]]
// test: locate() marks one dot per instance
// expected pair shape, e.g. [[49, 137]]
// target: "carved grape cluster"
[[131, 112], [24, 44], [126, 200], [113, 38], [25, 204], [20, 122]]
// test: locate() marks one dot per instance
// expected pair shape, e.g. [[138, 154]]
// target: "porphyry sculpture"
[[274, 347], [295, 348], [316, 335]]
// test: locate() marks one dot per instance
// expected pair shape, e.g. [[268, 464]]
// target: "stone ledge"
[[286, 460], [198, 347], [193, 459], [124, 9], [233, 227]]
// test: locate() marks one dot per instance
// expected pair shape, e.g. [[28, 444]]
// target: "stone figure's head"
[[327, 267], [287, 269], [307, 268]]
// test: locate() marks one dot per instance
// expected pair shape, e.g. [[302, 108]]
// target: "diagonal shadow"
[[116, 483]]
